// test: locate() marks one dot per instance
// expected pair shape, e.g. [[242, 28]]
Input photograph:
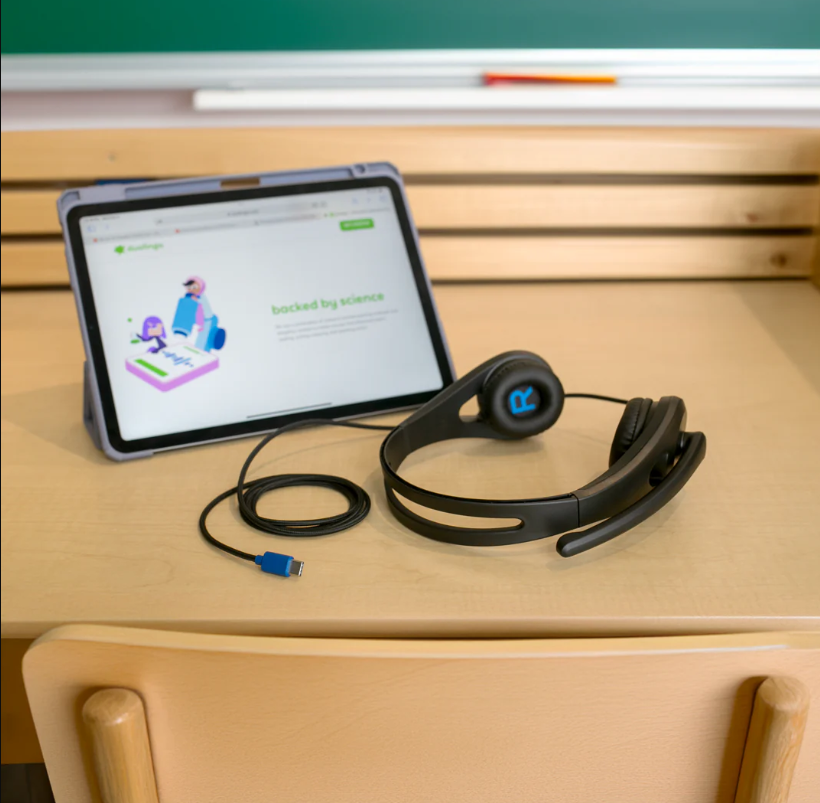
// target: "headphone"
[[651, 459]]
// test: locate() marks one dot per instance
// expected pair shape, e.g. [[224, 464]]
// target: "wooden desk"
[[88, 540]]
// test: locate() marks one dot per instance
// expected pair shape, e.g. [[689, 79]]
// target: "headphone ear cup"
[[521, 398], [629, 428]]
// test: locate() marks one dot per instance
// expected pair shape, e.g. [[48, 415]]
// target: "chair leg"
[[779, 716], [116, 722]]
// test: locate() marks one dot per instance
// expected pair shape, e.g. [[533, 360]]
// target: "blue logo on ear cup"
[[518, 401]]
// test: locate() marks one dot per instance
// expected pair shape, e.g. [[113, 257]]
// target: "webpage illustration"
[[225, 312], [188, 351]]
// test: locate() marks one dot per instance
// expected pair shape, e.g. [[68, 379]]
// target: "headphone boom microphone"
[[694, 450]]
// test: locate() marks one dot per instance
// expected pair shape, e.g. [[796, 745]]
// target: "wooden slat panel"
[[29, 212], [483, 206], [816, 271], [468, 258], [123, 153], [24, 264], [634, 206]]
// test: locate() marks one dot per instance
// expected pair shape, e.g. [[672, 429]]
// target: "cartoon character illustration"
[[194, 312], [153, 329], [188, 355], [195, 287]]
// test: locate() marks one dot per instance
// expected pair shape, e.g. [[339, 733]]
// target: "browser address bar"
[[198, 218], [231, 214]]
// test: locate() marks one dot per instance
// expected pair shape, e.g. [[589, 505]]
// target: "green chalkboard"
[[156, 26]]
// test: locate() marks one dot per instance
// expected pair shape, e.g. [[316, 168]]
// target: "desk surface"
[[88, 540]]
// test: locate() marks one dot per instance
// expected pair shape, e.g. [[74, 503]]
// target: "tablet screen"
[[212, 314]]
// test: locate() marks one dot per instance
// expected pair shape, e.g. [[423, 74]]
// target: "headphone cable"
[[248, 494], [613, 399]]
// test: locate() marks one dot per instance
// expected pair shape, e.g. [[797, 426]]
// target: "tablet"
[[211, 311]]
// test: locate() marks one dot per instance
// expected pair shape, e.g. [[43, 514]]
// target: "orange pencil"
[[493, 78]]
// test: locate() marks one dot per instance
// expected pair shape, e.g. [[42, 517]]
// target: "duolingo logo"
[[121, 249]]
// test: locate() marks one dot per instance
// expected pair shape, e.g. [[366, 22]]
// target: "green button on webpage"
[[363, 223]]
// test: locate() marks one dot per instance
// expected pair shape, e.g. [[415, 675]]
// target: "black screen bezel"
[[244, 428]]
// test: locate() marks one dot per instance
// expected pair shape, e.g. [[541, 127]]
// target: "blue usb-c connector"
[[283, 565]]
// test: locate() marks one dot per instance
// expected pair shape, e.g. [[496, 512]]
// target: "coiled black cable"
[[248, 495]]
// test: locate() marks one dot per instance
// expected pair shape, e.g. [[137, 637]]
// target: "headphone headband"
[[520, 396]]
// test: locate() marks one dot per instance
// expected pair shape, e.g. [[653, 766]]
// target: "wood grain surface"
[[29, 211], [712, 206], [118, 732], [465, 258], [33, 262], [774, 741], [748, 196], [510, 206], [231, 718], [88, 540], [76, 155]]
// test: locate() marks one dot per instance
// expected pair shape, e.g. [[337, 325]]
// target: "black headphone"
[[652, 458]]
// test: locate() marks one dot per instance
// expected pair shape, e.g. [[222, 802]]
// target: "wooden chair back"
[[132, 716]]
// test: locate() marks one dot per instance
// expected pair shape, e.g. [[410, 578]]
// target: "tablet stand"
[[89, 419]]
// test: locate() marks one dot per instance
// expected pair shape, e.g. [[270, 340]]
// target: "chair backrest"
[[247, 719]]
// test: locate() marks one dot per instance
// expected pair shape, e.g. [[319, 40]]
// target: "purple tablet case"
[[93, 414]]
